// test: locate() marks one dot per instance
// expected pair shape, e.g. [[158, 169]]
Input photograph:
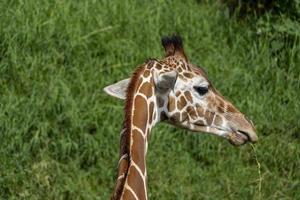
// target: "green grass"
[[59, 133]]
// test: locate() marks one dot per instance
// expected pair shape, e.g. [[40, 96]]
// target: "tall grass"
[[59, 133]]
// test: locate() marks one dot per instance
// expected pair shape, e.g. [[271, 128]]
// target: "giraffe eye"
[[201, 90]]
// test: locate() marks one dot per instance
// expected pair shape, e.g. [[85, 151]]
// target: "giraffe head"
[[186, 98]]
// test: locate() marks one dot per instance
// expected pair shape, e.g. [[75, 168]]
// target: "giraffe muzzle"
[[240, 137], [251, 137], [242, 130]]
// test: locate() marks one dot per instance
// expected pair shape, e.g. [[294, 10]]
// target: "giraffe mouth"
[[235, 137], [238, 138], [245, 134]]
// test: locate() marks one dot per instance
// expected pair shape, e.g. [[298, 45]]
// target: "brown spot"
[[200, 111], [175, 117], [138, 150], [151, 106], [139, 83], [123, 166], [184, 116], [154, 115], [188, 67], [128, 195], [182, 77], [146, 89], [218, 120], [146, 73], [160, 102], [178, 93], [220, 109], [179, 69], [140, 114], [188, 75], [220, 103], [200, 122], [135, 181], [209, 117], [231, 109], [171, 105], [165, 70], [151, 80], [181, 103], [197, 72], [183, 66], [188, 96], [158, 66], [191, 112], [150, 64]]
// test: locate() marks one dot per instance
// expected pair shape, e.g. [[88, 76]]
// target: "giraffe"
[[175, 91]]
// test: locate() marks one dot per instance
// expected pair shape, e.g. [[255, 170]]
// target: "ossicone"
[[173, 46]]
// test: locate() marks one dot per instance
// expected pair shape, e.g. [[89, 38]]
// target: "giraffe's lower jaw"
[[238, 138]]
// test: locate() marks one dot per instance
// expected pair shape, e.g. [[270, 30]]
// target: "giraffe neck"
[[141, 114]]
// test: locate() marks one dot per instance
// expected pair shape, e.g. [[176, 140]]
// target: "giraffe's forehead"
[[191, 72], [190, 79], [187, 73]]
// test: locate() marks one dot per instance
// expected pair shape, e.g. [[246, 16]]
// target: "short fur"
[[173, 61]]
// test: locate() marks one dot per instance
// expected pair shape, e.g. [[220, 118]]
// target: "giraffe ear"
[[118, 89], [165, 81]]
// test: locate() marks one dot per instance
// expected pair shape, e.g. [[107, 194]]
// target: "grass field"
[[59, 132]]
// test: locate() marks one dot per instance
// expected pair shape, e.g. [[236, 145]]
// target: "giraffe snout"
[[243, 128], [246, 127], [251, 131]]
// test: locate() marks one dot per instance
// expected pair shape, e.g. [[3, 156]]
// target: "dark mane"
[[125, 137]]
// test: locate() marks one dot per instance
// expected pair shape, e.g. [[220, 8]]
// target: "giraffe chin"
[[237, 139]]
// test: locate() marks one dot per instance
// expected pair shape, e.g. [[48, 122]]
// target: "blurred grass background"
[[59, 133]]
